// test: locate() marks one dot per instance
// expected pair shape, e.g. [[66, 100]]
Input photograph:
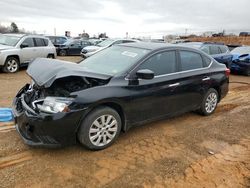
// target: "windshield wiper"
[[3, 43]]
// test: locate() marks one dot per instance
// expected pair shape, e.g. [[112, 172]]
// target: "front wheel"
[[62, 52], [100, 128], [11, 65], [209, 102]]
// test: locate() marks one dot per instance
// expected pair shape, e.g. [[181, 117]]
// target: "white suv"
[[19, 49]]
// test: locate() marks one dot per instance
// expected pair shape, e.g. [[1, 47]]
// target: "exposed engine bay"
[[61, 87]]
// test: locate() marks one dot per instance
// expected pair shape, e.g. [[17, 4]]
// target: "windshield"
[[241, 50], [105, 43], [9, 40], [114, 60]]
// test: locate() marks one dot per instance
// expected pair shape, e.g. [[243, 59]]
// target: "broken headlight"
[[55, 104]]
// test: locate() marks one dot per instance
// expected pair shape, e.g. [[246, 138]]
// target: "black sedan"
[[72, 47], [110, 92]]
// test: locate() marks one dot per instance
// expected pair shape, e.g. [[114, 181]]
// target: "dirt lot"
[[226, 39], [186, 151]]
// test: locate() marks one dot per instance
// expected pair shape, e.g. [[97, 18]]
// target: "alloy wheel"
[[12, 65], [103, 130], [211, 102]]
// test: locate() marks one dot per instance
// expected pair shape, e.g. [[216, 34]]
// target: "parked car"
[[58, 40], [95, 41], [19, 50], [90, 50], [218, 51], [244, 34], [241, 60], [116, 89], [72, 47]]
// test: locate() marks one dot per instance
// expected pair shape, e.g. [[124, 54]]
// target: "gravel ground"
[[186, 151]]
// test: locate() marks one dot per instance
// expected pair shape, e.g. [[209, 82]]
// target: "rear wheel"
[[248, 72], [100, 128], [209, 102], [11, 65]]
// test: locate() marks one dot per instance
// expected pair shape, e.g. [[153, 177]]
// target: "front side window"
[[161, 63], [29, 42], [190, 60], [214, 50]]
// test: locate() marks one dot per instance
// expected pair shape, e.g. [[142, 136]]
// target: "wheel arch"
[[15, 56], [218, 89], [114, 105]]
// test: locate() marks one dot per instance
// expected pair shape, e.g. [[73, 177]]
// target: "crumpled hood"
[[5, 47], [45, 71]]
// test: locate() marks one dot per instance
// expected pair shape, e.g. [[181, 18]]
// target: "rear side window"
[[29, 42], [223, 49], [161, 63], [39, 42], [205, 49], [190, 60], [214, 50]]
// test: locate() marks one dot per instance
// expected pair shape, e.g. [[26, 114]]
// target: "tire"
[[51, 56], [62, 52], [11, 65], [100, 128], [209, 102], [247, 73]]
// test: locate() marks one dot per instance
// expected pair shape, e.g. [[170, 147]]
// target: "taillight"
[[227, 72]]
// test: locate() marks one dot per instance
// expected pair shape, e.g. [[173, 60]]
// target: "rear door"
[[192, 80], [28, 53], [41, 47]]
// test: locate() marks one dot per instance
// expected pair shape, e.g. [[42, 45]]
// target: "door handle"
[[174, 85], [206, 78]]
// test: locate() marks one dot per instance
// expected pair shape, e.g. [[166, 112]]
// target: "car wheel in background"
[[51, 56], [11, 65], [209, 102], [248, 72], [100, 128], [62, 52]]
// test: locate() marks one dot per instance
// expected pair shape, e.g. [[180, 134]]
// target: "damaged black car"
[[119, 87]]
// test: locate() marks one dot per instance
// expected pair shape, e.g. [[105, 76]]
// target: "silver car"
[[19, 49], [90, 50]]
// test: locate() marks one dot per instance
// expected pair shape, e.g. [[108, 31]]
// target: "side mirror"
[[145, 74], [24, 45]]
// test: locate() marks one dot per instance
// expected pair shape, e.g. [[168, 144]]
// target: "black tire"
[[62, 52], [51, 56], [11, 65], [247, 72], [88, 123], [204, 109]]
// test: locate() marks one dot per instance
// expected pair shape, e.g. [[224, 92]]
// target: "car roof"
[[24, 35], [148, 45], [15, 34]]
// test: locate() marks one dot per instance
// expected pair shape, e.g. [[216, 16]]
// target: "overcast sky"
[[137, 17]]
